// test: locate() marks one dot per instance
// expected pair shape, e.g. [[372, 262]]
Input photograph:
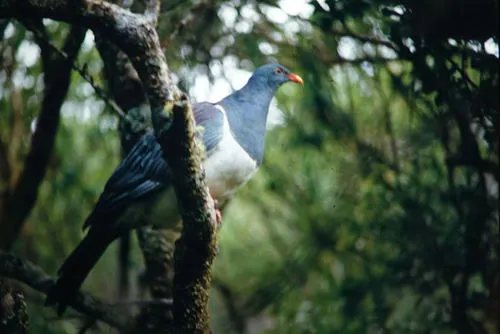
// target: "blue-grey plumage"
[[247, 108], [139, 192]]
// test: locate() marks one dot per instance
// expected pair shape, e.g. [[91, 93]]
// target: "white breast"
[[229, 166]]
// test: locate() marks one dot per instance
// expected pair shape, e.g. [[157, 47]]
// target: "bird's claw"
[[218, 214], [218, 217]]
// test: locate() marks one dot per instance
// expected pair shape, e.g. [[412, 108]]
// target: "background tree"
[[376, 209]]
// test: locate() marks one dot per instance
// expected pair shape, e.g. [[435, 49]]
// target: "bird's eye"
[[278, 70]]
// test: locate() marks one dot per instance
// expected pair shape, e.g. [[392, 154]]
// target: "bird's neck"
[[247, 111]]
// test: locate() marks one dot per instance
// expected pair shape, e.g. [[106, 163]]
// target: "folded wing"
[[144, 171]]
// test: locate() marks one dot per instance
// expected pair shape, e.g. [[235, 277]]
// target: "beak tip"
[[296, 78]]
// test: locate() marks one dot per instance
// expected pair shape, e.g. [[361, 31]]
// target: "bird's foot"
[[218, 217], [218, 214]]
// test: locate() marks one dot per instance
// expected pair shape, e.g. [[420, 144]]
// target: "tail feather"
[[77, 267]]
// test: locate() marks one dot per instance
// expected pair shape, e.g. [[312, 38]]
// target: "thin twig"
[[82, 71], [23, 192], [139, 302], [463, 72], [365, 38]]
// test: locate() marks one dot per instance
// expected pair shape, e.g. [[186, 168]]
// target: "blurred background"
[[376, 208]]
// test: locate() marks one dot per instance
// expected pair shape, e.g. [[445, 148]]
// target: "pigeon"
[[139, 192]]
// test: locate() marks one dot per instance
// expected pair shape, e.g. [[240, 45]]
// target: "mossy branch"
[[33, 276], [135, 34], [196, 248]]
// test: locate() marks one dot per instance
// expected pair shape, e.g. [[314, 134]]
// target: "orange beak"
[[295, 78]]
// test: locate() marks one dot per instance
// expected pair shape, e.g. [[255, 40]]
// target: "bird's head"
[[275, 75]]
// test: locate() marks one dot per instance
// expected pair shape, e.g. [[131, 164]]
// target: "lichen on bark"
[[196, 248]]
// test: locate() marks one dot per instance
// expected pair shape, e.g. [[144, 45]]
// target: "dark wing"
[[142, 172], [211, 120]]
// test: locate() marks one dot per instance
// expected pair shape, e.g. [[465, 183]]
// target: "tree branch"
[[234, 313], [13, 313], [174, 128], [122, 79], [131, 32], [33, 276], [364, 38], [157, 246], [158, 251], [126, 89], [196, 248], [38, 30], [23, 196]]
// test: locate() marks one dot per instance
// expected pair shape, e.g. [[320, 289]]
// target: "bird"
[[139, 191]]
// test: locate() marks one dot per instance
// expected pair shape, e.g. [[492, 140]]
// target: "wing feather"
[[211, 120], [144, 171]]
